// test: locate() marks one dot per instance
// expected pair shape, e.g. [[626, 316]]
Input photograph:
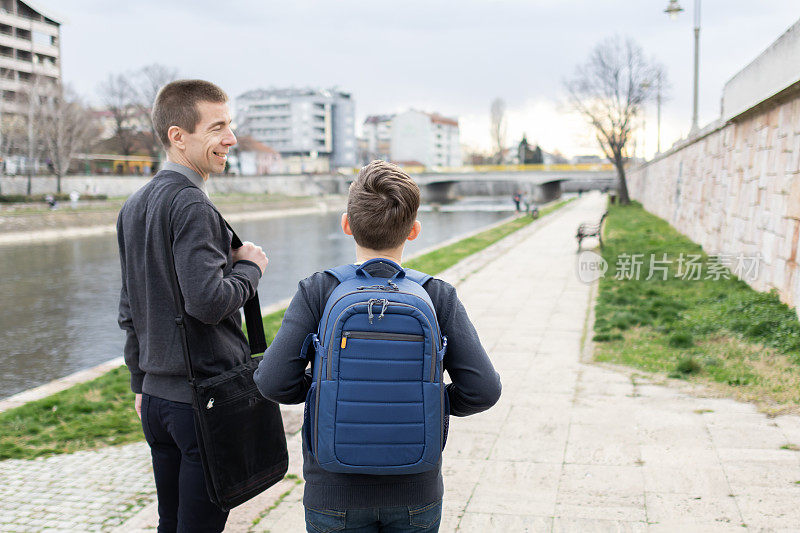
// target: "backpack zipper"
[[434, 352], [433, 311], [381, 336]]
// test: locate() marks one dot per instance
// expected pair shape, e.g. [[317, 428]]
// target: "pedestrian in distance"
[[192, 121], [378, 338]]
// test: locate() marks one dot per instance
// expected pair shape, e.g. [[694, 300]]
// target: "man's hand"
[[137, 404], [251, 252]]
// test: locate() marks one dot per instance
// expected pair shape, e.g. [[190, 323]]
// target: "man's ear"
[[175, 135], [346, 225], [416, 228]]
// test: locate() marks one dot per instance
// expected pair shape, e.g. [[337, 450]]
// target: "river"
[[58, 300]]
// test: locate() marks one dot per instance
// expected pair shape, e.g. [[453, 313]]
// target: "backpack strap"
[[343, 272], [416, 275]]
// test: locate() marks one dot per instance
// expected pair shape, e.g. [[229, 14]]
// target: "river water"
[[58, 300]]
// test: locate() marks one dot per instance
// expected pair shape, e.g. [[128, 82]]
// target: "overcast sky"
[[434, 55]]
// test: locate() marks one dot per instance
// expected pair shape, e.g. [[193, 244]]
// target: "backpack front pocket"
[[380, 404]]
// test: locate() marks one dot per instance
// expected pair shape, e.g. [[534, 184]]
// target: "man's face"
[[207, 148]]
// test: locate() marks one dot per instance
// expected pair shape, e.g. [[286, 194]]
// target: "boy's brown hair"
[[382, 206], [176, 105]]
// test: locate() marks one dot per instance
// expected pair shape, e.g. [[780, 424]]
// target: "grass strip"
[[100, 412], [718, 332]]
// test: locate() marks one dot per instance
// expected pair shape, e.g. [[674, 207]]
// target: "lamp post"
[[673, 9], [646, 84]]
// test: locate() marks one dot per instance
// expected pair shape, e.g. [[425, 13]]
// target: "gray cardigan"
[[213, 288]]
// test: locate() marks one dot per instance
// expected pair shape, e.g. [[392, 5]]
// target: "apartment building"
[[301, 124], [30, 50], [377, 135], [414, 138]]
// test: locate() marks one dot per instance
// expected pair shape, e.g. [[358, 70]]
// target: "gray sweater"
[[212, 287], [281, 376]]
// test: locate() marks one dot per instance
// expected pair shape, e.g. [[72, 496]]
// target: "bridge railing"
[[581, 167]]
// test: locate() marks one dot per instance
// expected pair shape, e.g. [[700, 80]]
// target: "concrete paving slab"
[[571, 446], [664, 507]]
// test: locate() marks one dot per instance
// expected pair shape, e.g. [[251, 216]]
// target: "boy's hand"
[[137, 405], [251, 252]]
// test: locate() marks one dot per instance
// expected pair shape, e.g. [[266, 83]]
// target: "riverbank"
[[45, 426], [31, 223]]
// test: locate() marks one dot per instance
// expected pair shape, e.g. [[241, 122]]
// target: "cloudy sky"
[[453, 57]]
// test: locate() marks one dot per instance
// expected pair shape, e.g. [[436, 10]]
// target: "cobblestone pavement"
[[83, 491]]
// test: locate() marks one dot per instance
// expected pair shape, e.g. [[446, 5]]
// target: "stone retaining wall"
[[735, 189]]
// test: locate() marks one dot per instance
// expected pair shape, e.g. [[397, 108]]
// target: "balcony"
[[15, 64], [26, 23], [11, 85]]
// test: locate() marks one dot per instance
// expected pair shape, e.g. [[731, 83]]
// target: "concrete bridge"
[[540, 185]]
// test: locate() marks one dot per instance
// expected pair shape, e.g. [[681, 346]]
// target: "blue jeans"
[[417, 519]]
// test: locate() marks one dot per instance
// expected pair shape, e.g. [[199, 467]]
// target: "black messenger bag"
[[239, 432]]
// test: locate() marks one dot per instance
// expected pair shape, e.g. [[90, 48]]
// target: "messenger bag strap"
[[252, 312], [179, 307]]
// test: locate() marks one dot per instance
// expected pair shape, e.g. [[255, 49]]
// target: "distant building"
[[303, 125], [255, 159], [589, 160], [414, 137], [30, 51], [378, 138], [528, 155]]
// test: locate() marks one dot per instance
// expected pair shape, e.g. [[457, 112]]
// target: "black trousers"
[[183, 503]]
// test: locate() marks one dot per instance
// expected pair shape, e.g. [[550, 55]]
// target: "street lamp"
[[673, 9], [646, 84]]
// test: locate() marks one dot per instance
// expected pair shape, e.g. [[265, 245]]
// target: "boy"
[[381, 216]]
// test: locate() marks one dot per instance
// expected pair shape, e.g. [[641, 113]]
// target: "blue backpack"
[[377, 404]]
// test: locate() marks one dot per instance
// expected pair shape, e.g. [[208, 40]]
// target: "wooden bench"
[[591, 230]]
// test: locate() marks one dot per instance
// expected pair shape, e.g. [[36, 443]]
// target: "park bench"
[[591, 230]]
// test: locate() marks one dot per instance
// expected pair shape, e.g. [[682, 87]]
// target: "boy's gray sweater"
[[281, 376], [212, 286]]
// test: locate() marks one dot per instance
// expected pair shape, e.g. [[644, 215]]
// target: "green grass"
[[100, 412], [95, 413], [715, 331]]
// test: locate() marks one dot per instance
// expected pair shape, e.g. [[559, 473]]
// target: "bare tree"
[[498, 127], [119, 98], [609, 90], [34, 101], [148, 81], [67, 125]]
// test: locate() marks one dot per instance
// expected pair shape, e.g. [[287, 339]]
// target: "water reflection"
[[58, 300]]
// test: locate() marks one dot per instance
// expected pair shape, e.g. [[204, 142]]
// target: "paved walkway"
[[571, 446]]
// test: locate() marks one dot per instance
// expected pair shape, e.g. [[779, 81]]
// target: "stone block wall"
[[735, 189]]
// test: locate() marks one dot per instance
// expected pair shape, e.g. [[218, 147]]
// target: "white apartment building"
[[378, 137], [30, 48], [309, 124], [414, 137]]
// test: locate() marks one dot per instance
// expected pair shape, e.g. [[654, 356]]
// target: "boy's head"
[[382, 206]]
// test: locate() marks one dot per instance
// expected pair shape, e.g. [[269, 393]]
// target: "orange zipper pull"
[[344, 342]]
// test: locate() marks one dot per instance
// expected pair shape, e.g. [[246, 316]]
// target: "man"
[[192, 121]]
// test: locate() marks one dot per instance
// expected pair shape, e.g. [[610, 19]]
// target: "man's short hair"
[[382, 206], [176, 105]]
